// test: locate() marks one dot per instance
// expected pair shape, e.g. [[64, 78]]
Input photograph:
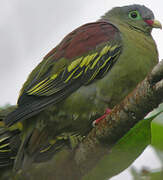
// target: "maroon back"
[[83, 39]]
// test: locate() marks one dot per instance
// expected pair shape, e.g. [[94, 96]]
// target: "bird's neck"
[[115, 21]]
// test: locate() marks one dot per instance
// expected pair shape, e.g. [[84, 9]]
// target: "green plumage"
[[93, 68]]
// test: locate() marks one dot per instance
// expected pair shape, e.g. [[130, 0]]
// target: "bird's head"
[[137, 17]]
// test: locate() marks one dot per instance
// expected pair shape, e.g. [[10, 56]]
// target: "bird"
[[93, 68]]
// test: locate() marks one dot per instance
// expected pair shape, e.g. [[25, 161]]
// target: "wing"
[[84, 55]]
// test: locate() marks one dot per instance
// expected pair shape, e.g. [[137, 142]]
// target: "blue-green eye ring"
[[134, 15]]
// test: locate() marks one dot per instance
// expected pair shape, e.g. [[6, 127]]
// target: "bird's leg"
[[107, 111]]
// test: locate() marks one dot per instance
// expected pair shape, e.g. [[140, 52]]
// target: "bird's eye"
[[134, 15]]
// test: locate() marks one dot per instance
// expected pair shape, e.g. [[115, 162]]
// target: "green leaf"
[[156, 175], [127, 149], [157, 135]]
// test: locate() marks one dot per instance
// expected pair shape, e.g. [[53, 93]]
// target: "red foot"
[[107, 111]]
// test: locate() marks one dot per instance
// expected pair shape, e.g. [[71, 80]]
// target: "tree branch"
[[147, 96]]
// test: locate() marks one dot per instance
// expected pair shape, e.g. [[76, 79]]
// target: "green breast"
[[138, 58]]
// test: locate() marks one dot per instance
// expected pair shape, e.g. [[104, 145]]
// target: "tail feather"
[[37, 148], [30, 105], [7, 151], [21, 113]]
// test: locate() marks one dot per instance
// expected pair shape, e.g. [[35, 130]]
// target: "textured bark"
[[147, 96], [75, 164]]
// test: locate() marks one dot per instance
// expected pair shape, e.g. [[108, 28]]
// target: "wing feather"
[[77, 70], [83, 56]]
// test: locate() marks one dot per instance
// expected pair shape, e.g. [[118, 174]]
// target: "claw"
[[107, 111]]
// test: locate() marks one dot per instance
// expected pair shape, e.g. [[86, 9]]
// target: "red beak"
[[149, 22], [153, 23]]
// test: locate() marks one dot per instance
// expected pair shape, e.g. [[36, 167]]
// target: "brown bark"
[[147, 96]]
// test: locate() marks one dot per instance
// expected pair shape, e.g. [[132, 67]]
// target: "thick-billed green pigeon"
[[93, 68]]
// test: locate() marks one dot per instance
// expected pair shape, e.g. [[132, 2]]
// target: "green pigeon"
[[93, 68]]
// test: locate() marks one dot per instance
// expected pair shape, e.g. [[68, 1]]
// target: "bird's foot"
[[107, 111]]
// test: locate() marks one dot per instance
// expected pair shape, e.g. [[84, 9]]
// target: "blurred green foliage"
[[157, 144]]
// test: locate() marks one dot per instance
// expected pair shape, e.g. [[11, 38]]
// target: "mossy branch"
[[147, 96]]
